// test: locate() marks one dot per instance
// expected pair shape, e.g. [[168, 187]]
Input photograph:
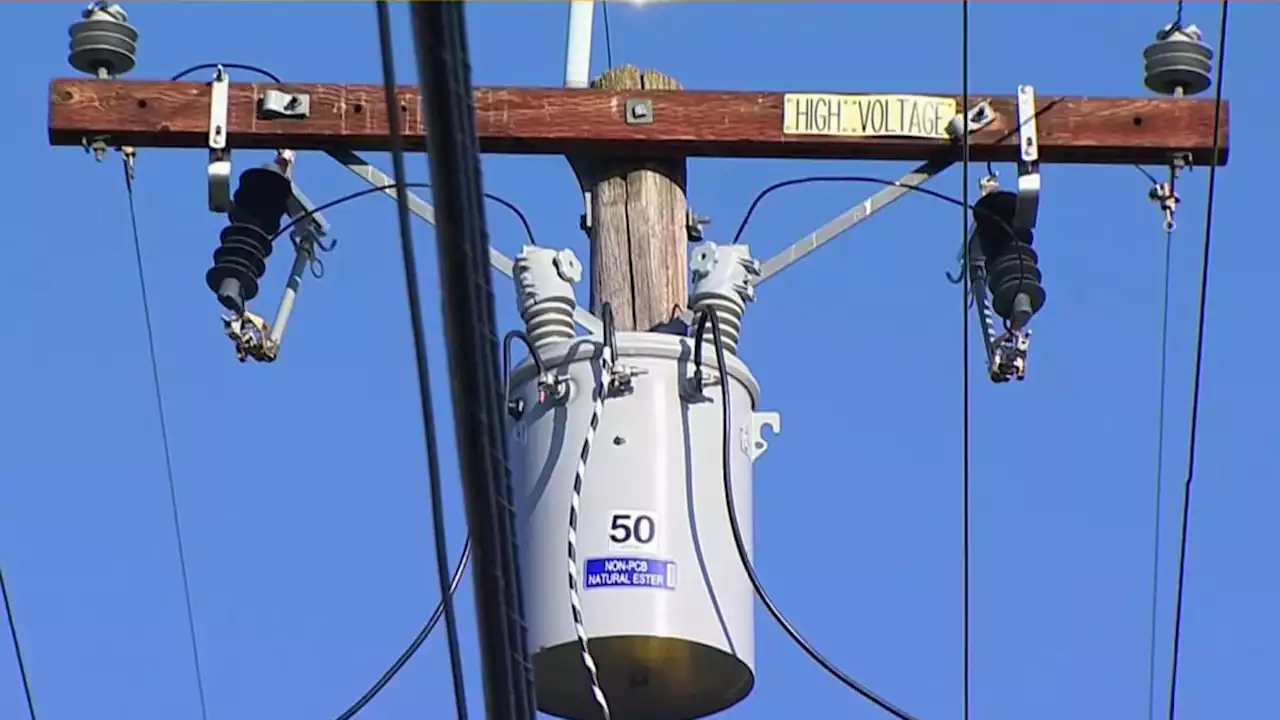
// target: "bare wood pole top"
[[637, 222], [575, 122]]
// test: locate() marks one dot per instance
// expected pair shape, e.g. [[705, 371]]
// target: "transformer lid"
[[661, 346]]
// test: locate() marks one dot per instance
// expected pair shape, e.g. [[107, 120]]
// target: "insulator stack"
[[544, 281], [1178, 62], [241, 258], [723, 283], [103, 43], [1012, 266]]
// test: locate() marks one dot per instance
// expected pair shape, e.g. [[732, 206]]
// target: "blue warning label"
[[630, 572]]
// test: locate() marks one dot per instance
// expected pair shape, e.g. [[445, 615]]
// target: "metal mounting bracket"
[[846, 220], [280, 105], [753, 442], [1028, 207], [219, 169], [423, 209], [980, 116]]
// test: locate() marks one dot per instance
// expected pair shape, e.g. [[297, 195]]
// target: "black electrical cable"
[[416, 643], [164, 436], [470, 327], [810, 179], [227, 66], [17, 647], [735, 527], [1159, 474], [1195, 384], [507, 341], [343, 199], [964, 360], [414, 298]]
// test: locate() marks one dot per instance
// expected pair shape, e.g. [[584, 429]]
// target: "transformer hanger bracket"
[[1028, 207], [219, 169]]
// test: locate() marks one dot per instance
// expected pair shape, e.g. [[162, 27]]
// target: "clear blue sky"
[[302, 484]]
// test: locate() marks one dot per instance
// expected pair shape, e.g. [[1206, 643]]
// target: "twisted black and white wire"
[[575, 505]]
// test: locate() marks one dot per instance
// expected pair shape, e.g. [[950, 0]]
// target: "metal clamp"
[[980, 116], [280, 105], [219, 170], [1028, 207]]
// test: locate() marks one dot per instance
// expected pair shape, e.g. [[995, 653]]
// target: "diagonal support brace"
[[423, 209], [846, 220]]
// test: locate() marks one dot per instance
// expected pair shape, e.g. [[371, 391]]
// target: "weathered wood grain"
[[590, 122]]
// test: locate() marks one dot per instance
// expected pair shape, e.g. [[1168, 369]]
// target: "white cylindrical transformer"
[[666, 603]]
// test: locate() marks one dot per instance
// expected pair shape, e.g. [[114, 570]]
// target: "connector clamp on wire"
[[251, 336]]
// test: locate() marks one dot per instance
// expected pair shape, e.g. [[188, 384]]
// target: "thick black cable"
[[164, 436], [1159, 478], [17, 647], [416, 643], [227, 66], [1196, 376], [726, 458], [964, 359], [471, 331], [420, 360]]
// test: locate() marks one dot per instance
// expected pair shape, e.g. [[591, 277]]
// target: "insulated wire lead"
[[127, 159]]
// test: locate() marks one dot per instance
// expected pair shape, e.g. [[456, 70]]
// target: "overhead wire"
[[17, 646], [1162, 384], [865, 179], [414, 299], [964, 357], [389, 674], [127, 163], [726, 447], [1199, 362]]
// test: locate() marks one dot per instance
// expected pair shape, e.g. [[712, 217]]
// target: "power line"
[[127, 157], [420, 359], [17, 646], [1159, 479], [1195, 383], [964, 357]]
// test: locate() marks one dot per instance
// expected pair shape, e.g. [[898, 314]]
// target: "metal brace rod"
[[423, 209], [846, 220]]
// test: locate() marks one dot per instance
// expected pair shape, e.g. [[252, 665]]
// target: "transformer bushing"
[[241, 258], [723, 283], [1012, 267], [103, 43], [544, 280], [1178, 62], [661, 578]]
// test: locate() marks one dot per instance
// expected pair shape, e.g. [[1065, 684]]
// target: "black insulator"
[[1012, 266], [244, 246]]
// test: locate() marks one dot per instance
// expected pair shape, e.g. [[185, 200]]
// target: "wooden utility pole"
[[636, 217], [628, 137]]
